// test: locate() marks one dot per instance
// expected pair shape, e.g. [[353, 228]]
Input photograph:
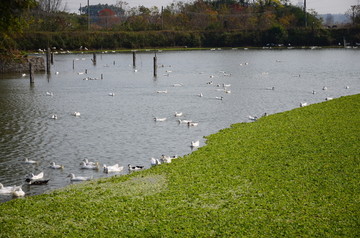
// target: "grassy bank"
[[293, 174]]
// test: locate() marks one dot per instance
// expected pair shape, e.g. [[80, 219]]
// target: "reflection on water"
[[121, 128]]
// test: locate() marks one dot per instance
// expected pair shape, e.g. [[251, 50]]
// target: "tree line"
[[200, 23]]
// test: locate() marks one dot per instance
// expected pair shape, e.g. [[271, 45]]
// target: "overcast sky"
[[320, 6]]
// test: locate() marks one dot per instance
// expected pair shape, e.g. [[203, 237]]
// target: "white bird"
[[89, 162], [7, 190], [111, 94], [167, 159], [200, 95], [192, 123], [55, 166], [195, 143], [313, 92], [54, 116], [253, 118], [162, 91], [177, 85], [113, 168], [49, 94], [135, 168], [226, 85], [28, 161], [303, 104], [78, 178], [89, 166], [219, 98], [324, 88], [18, 192], [35, 177], [23, 75], [77, 114], [178, 114], [154, 162], [184, 121], [328, 98], [347, 87], [228, 91], [159, 119]]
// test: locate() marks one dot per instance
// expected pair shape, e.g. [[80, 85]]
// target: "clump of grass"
[[290, 174]]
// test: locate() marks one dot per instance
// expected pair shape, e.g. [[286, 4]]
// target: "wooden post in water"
[[94, 58], [73, 64], [155, 66], [31, 73], [48, 60], [102, 76], [52, 57], [134, 59]]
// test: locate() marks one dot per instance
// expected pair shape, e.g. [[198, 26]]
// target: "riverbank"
[[21, 64], [289, 174], [102, 40]]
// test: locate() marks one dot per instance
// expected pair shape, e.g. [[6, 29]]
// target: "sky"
[[320, 6]]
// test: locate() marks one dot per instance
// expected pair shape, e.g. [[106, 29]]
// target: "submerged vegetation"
[[292, 174]]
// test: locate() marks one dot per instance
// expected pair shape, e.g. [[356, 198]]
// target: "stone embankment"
[[22, 66]]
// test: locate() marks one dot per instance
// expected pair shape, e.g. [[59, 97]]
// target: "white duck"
[[162, 91], [77, 114], [195, 143], [192, 123], [154, 162], [303, 104], [113, 168], [184, 121], [56, 166], [159, 118], [167, 159], [18, 192], [219, 98], [78, 178], [89, 166], [35, 177], [135, 168], [54, 116], [49, 94], [28, 161], [7, 189], [89, 162], [253, 118], [178, 114]]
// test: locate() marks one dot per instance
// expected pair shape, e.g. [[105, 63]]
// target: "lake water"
[[121, 129]]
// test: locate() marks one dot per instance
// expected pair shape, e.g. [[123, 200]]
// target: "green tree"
[[12, 22], [11, 17]]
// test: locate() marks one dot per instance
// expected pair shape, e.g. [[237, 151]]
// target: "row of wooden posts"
[[50, 60]]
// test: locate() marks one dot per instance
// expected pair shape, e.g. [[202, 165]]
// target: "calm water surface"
[[120, 129]]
